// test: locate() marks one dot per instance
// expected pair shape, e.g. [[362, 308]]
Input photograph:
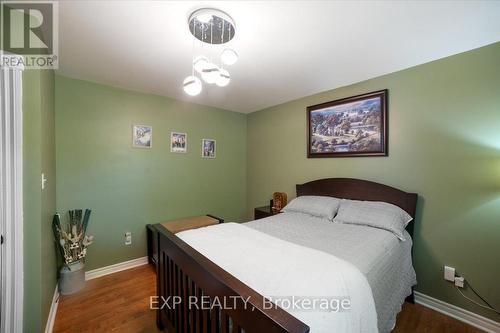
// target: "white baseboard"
[[453, 311], [95, 273], [53, 311]]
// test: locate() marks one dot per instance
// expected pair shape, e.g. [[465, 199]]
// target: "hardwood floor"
[[418, 318], [114, 303], [120, 303]]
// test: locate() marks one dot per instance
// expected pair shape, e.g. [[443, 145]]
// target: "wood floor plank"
[[120, 303]]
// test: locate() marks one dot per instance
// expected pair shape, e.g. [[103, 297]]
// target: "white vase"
[[72, 278]]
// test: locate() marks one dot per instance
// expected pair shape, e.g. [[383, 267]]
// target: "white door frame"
[[11, 199]]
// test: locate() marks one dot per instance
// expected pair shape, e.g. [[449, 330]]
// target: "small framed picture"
[[208, 147], [142, 136], [178, 142]]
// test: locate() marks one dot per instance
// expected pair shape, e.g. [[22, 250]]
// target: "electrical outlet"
[[128, 238], [449, 273], [459, 281]]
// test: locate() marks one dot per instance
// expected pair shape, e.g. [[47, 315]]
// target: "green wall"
[[444, 144], [39, 205], [126, 187]]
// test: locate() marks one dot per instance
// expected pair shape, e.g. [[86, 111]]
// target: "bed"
[[380, 262]]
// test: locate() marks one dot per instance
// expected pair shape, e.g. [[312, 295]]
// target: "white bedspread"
[[378, 254], [277, 268]]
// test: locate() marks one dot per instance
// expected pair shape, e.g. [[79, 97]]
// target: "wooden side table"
[[265, 211], [175, 226], [188, 223]]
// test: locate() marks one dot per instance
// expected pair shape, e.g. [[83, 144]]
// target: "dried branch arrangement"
[[71, 237]]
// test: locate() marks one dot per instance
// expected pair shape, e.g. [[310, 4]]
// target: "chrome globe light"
[[192, 85], [210, 73], [211, 27], [200, 63], [229, 57], [223, 79]]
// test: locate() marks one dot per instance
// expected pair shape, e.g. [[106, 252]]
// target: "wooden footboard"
[[191, 287]]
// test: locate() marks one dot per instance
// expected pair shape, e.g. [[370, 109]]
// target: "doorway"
[[11, 200]]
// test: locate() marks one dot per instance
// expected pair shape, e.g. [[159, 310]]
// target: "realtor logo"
[[30, 30]]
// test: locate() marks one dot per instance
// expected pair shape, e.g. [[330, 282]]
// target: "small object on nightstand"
[[265, 211], [279, 201]]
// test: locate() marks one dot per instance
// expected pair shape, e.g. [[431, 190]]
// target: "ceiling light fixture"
[[199, 63], [213, 27], [223, 78], [229, 57], [210, 73], [192, 85]]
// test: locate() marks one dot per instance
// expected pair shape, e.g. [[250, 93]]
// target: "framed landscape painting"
[[353, 126]]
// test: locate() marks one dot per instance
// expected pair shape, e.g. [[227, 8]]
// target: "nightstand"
[[265, 211]]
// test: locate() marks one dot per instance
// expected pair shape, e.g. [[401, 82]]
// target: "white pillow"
[[375, 214], [319, 206]]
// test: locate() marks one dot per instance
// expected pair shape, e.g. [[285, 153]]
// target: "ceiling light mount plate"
[[211, 26]]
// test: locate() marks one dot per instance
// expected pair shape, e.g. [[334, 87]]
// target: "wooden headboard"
[[358, 189]]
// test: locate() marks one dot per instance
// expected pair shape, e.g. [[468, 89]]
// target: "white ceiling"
[[288, 49]]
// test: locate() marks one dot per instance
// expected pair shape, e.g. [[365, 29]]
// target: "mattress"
[[285, 270], [378, 254]]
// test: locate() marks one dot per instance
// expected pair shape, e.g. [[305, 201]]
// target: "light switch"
[[44, 181], [128, 238]]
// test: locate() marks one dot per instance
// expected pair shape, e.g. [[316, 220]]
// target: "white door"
[[11, 200]]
